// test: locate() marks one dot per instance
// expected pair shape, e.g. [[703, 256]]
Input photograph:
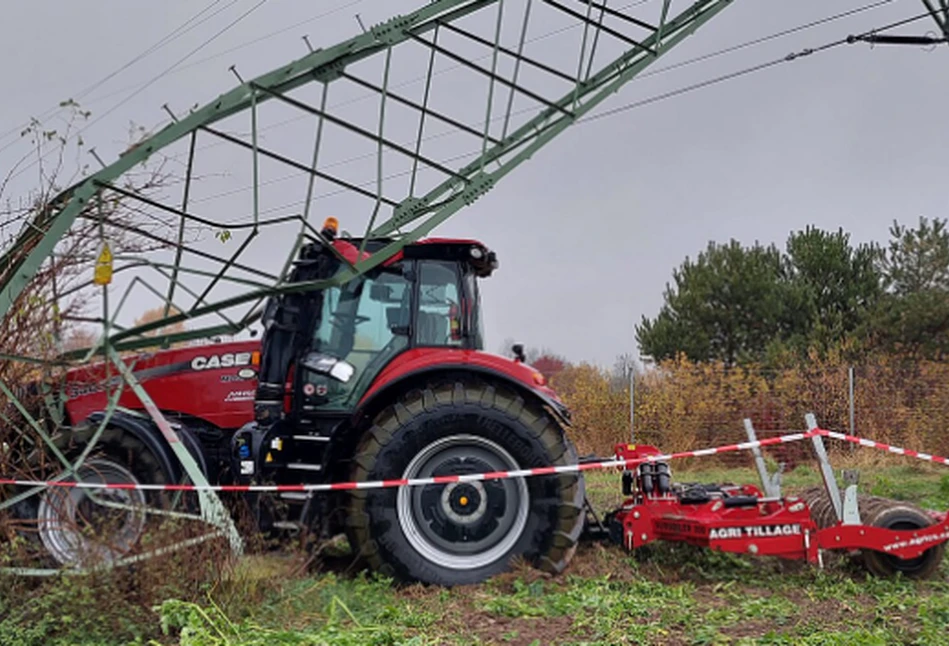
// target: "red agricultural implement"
[[889, 536]]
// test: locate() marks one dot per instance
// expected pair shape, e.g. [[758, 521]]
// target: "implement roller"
[[888, 537]]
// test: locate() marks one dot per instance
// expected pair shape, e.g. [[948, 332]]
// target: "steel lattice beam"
[[329, 65]]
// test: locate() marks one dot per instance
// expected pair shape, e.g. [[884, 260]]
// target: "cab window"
[[438, 319]]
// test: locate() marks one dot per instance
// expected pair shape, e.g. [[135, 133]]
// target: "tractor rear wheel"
[[79, 527], [462, 533]]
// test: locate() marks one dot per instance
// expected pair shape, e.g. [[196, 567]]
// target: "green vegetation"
[[743, 305], [667, 594]]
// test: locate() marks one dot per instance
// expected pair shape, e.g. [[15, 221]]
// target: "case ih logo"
[[226, 360], [755, 531]]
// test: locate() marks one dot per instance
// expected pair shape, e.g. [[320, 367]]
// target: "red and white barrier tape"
[[414, 482], [883, 447], [473, 477]]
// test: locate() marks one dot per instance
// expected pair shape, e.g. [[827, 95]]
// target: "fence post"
[[853, 428], [632, 404]]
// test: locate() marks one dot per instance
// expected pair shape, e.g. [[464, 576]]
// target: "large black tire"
[[471, 427], [889, 514]]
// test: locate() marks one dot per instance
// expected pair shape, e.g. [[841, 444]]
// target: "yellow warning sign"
[[103, 271], [269, 457]]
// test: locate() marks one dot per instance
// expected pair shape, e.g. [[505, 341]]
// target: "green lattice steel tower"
[[400, 127]]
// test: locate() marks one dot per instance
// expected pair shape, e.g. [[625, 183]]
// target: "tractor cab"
[[426, 296], [323, 349]]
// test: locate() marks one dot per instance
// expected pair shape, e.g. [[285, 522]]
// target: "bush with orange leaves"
[[600, 413], [682, 405]]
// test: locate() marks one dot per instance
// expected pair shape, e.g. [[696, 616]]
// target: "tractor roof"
[[453, 249]]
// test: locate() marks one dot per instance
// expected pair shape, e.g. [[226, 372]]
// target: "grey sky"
[[590, 229]]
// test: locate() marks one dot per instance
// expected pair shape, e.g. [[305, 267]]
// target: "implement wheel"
[[888, 514], [462, 533], [902, 517]]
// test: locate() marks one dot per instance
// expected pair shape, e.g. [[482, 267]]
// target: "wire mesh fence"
[[683, 406]]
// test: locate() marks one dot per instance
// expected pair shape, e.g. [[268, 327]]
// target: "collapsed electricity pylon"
[[405, 151]]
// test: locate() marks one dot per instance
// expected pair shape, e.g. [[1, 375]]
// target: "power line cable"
[[748, 70], [176, 33], [764, 39], [149, 83], [230, 50], [756, 41]]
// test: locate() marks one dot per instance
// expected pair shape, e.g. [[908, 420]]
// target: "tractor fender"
[[377, 400], [148, 433]]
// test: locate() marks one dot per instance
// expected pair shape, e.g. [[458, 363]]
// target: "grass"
[[668, 594]]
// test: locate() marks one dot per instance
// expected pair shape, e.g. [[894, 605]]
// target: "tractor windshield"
[[366, 323], [374, 317]]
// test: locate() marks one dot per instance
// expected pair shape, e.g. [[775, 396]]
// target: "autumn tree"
[[549, 364], [834, 287], [738, 304], [56, 300]]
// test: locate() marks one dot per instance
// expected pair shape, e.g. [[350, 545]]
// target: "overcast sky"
[[589, 230]]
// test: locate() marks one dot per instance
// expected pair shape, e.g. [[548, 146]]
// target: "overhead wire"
[[764, 39], [176, 33], [751, 69], [230, 50], [149, 83], [663, 70]]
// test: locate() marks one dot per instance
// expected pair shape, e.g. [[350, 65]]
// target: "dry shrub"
[[600, 413], [681, 405], [114, 604]]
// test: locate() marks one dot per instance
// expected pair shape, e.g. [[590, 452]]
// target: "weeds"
[[670, 593]]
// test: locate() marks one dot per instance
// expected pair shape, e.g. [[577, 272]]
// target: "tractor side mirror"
[[324, 364]]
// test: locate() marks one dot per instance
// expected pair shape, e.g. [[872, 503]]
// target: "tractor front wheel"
[[464, 532]]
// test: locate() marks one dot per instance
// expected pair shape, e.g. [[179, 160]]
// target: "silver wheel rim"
[[423, 509], [67, 529]]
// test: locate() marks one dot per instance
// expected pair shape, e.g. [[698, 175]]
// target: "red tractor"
[[383, 377]]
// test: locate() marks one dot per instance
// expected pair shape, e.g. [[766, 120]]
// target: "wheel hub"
[[464, 502]]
